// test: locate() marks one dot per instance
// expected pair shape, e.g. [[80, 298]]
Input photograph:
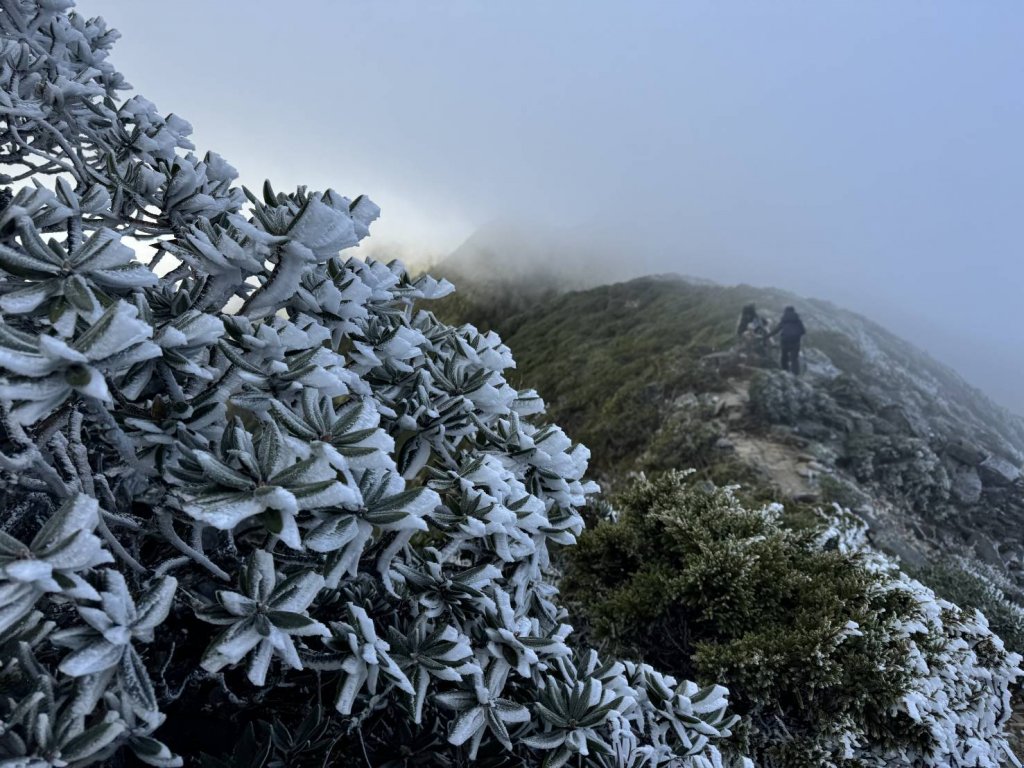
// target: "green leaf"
[[289, 620], [87, 744], [37, 249], [136, 683], [23, 265], [79, 294], [221, 474], [287, 419], [238, 360], [297, 473], [95, 332]]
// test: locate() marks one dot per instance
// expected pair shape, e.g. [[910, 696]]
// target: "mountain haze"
[[650, 376], [606, 251]]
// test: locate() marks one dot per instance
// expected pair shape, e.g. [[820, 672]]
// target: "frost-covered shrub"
[[260, 483], [835, 657], [971, 583]]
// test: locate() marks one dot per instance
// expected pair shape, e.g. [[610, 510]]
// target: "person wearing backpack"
[[790, 330]]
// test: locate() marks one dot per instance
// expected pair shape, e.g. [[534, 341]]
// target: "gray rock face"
[[965, 452], [777, 397], [812, 430], [965, 485], [997, 471], [898, 418], [986, 550]]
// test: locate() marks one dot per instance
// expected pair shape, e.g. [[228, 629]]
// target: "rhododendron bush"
[[249, 479]]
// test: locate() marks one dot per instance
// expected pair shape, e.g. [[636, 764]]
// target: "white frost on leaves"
[[337, 480]]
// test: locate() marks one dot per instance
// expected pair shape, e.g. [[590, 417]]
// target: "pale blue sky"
[[865, 152]]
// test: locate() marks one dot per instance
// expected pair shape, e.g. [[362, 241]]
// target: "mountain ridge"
[[650, 375]]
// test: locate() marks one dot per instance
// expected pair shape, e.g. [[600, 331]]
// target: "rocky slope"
[[649, 375]]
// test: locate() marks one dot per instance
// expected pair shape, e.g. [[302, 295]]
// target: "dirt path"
[[783, 465]]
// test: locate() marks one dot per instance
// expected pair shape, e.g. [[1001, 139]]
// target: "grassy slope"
[[606, 358]]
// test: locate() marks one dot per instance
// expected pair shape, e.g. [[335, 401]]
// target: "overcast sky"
[[864, 152]]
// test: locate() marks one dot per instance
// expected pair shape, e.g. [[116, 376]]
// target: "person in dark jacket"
[[752, 322], [791, 330], [748, 318]]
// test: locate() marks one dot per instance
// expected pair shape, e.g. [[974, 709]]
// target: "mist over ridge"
[[863, 153], [585, 256]]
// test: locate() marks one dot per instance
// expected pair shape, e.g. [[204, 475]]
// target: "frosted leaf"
[[95, 657], [322, 229], [29, 571], [298, 592], [118, 330], [276, 497], [466, 726], [153, 606], [232, 649], [16, 602], [105, 251], [364, 212], [95, 385], [224, 511], [25, 299]]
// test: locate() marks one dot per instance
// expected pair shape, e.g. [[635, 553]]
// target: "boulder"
[[897, 417], [965, 485], [862, 426], [964, 452], [813, 430], [986, 550], [839, 422], [997, 471], [725, 445], [687, 400]]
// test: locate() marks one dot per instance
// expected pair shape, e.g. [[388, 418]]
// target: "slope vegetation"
[[650, 376]]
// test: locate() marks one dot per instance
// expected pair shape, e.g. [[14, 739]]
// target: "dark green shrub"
[[825, 650], [971, 584]]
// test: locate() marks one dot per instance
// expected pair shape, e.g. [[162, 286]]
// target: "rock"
[[812, 430], [997, 471], [777, 397], [818, 365], [687, 400], [899, 545], [965, 485], [839, 422], [862, 426], [964, 452], [986, 550], [804, 471], [867, 513], [897, 416], [880, 426], [724, 444]]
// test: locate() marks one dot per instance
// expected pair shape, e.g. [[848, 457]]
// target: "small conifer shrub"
[[834, 657]]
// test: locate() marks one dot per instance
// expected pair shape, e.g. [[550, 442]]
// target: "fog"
[[866, 153]]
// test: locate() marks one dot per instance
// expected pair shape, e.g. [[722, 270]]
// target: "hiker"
[[791, 330], [750, 319]]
